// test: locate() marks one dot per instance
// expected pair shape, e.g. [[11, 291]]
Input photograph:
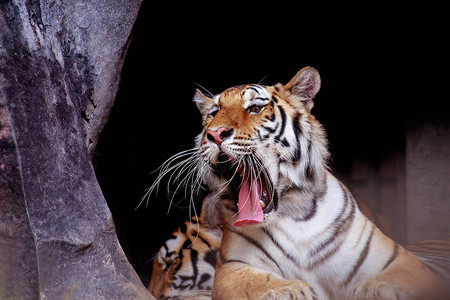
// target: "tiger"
[[184, 266], [291, 229]]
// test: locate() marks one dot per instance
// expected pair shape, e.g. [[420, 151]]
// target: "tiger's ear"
[[305, 85], [203, 102]]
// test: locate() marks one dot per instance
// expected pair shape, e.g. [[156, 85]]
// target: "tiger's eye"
[[213, 113], [255, 109]]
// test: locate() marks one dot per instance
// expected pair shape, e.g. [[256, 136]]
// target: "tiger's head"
[[259, 142]]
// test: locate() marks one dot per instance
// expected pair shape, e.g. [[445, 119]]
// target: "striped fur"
[[314, 242], [184, 266]]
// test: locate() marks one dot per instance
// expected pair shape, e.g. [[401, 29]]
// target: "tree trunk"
[[60, 64]]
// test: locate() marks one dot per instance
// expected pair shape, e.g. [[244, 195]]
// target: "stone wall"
[[428, 181], [409, 187]]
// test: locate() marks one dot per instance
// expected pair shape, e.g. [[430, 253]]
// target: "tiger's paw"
[[374, 289], [292, 290]]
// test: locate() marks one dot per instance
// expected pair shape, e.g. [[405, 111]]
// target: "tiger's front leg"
[[406, 278], [237, 280]]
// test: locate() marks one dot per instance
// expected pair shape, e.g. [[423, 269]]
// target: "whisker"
[[263, 166], [264, 78], [167, 167], [191, 169], [202, 87], [227, 183]]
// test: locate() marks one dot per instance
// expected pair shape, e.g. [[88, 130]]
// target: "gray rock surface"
[[60, 64]]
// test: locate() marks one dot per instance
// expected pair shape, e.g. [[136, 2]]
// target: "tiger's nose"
[[219, 135]]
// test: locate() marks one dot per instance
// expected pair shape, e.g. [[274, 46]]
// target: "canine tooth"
[[263, 205]]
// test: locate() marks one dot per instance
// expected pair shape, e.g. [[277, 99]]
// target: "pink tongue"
[[250, 211]]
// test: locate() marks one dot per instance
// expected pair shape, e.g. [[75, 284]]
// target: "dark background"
[[381, 69]]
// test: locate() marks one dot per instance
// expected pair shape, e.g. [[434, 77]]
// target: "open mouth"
[[250, 187]]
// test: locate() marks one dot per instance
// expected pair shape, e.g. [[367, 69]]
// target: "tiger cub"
[[184, 266], [291, 229]]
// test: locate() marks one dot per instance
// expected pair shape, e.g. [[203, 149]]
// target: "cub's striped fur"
[[184, 266], [291, 229]]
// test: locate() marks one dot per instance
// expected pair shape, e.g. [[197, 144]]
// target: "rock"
[[60, 66]]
